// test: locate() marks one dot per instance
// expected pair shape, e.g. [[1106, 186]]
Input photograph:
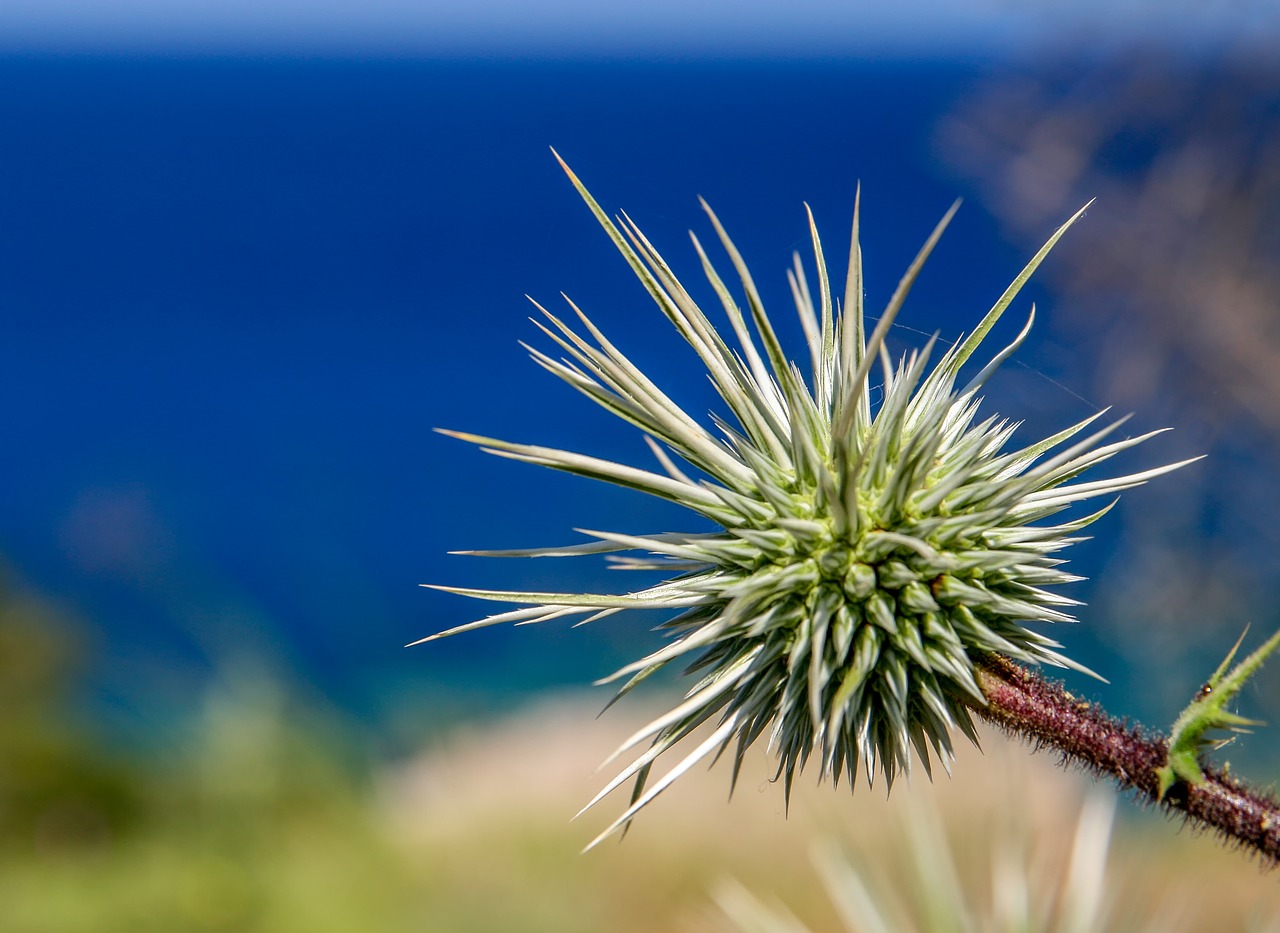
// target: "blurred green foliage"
[[257, 820], [59, 790]]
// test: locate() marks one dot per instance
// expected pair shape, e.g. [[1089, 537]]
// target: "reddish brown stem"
[[1024, 703]]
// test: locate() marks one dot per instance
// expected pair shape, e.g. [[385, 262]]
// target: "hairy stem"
[[1024, 703]]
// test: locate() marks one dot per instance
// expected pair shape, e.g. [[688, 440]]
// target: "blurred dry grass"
[[485, 820]]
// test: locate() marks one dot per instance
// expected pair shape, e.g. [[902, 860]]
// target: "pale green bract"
[[1207, 712], [867, 552]]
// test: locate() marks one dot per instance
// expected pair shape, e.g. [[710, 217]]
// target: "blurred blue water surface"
[[236, 296]]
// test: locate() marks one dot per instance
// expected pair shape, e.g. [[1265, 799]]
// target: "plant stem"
[[1022, 702]]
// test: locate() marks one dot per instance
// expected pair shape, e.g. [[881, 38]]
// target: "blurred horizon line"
[[662, 30]]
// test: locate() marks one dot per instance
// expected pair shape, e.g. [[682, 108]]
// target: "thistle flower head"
[[875, 535]]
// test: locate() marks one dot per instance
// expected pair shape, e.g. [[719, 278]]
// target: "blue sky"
[[577, 27]]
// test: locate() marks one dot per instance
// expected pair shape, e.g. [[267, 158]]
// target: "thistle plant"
[[883, 553]]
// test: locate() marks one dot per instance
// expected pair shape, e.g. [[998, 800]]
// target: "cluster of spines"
[[866, 556]]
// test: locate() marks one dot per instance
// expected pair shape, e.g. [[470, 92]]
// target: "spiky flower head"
[[874, 539]]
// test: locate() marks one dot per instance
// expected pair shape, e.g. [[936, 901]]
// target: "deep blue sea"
[[237, 295]]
